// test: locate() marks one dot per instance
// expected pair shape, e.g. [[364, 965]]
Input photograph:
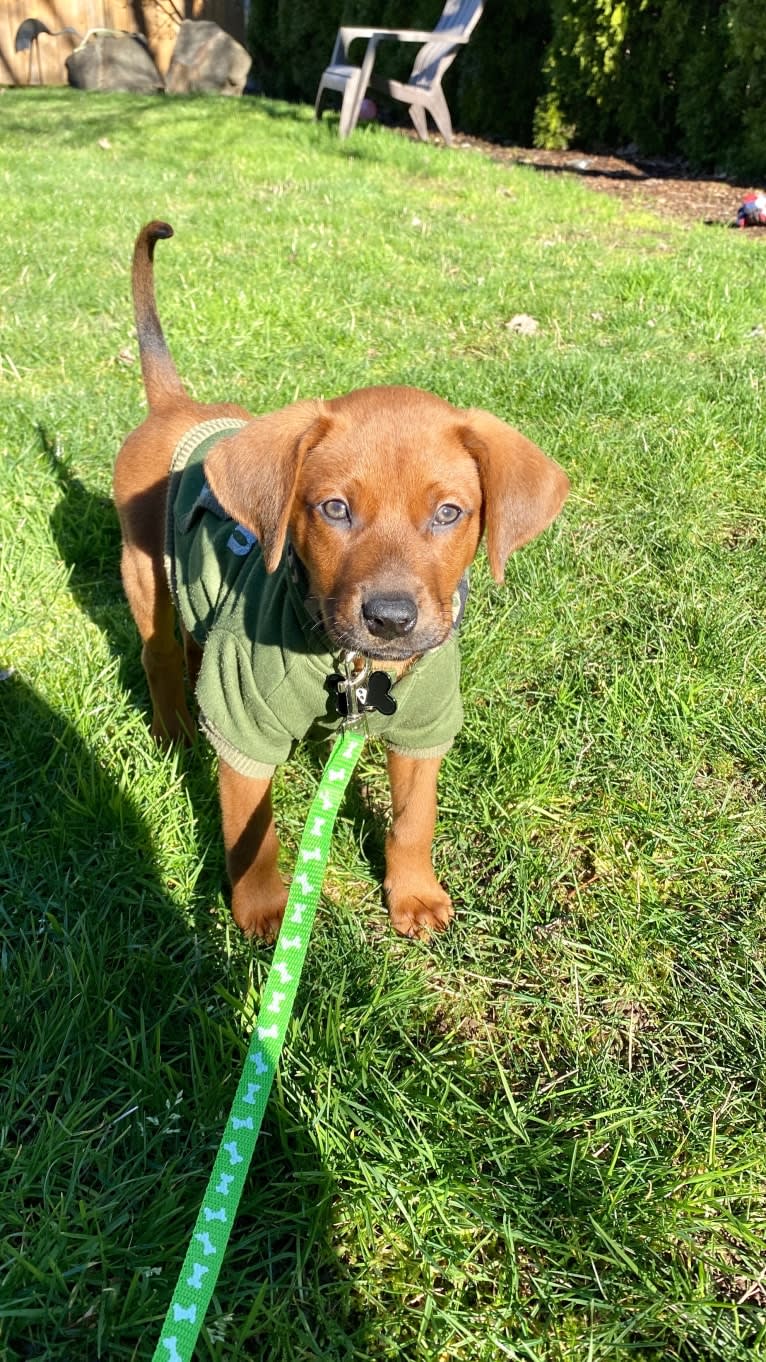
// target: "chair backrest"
[[458, 16]]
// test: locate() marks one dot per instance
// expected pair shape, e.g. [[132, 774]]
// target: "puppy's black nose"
[[389, 616]]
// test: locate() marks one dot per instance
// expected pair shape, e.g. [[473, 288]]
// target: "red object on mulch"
[[752, 211]]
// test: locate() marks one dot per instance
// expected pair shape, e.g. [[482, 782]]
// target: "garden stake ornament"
[[204, 1257]]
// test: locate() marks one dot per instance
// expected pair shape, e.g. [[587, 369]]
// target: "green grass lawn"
[[541, 1136]]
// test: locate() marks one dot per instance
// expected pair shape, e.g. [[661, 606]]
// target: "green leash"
[[210, 1236]]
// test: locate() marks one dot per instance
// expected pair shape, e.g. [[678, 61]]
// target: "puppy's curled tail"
[[161, 381]]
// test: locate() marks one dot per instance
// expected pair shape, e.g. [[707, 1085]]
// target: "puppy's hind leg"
[[162, 656]]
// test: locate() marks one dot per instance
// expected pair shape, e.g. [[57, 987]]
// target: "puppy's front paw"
[[259, 915], [417, 914]]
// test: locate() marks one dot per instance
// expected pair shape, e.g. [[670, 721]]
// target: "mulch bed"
[[666, 186]]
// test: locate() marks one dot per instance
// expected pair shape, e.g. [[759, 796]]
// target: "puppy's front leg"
[[416, 901], [258, 894]]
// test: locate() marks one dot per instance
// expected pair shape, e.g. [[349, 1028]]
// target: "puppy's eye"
[[447, 515], [335, 510]]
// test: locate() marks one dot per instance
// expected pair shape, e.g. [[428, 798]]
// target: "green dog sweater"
[[263, 683]]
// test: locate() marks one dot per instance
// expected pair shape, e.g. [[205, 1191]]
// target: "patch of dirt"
[[667, 186]]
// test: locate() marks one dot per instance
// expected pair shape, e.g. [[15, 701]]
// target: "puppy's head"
[[385, 493]]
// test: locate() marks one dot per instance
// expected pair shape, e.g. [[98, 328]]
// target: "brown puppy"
[[381, 497]]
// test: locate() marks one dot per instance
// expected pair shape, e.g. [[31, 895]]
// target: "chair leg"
[[318, 100], [352, 103], [420, 123], [437, 107]]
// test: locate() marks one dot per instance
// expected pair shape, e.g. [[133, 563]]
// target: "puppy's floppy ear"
[[523, 490], [254, 472]]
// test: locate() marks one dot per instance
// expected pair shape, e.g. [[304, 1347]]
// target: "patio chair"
[[423, 91]]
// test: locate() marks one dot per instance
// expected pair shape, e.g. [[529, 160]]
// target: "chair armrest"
[[403, 35], [347, 35]]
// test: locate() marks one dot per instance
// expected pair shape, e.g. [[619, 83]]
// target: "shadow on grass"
[[86, 531], [121, 1054], [80, 117], [83, 119], [77, 118]]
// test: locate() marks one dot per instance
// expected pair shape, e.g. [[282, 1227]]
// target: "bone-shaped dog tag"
[[373, 694], [379, 695]]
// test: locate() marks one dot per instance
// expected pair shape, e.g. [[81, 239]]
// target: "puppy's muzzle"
[[389, 616]]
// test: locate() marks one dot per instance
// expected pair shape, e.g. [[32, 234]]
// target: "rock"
[[106, 60], [206, 59]]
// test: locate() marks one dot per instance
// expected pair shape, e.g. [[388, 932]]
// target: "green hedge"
[[665, 77], [673, 77]]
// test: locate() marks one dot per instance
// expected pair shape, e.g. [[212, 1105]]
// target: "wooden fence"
[[157, 21]]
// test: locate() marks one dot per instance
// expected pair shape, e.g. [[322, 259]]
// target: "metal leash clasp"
[[352, 693]]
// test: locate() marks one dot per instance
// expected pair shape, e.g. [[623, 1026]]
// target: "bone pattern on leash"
[[219, 1205]]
